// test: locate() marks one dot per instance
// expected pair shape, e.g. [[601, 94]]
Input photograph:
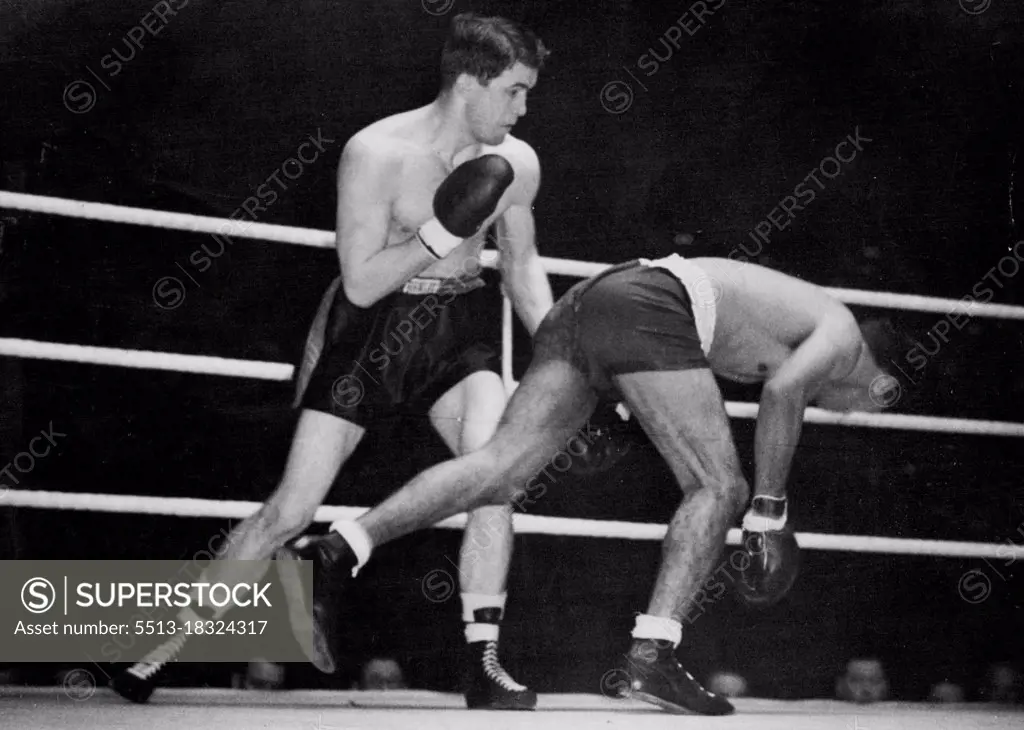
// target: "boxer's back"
[[762, 316]]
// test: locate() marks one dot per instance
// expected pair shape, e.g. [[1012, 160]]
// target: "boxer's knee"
[[477, 432], [483, 405], [731, 488]]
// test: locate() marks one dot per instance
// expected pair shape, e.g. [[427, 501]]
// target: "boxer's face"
[[847, 398], [868, 389], [492, 110]]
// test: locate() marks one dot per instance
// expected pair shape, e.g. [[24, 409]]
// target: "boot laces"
[[156, 659], [495, 672]]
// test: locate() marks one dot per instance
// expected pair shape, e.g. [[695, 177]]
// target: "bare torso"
[[422, 171], [762, 316]]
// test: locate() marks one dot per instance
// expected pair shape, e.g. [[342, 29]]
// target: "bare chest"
[[413, 199], [413, 196], [746, 353]]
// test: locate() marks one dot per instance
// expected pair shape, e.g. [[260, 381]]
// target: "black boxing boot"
[[334, 566], [138, 682], [771, 550], [487, 685], [655, 675]]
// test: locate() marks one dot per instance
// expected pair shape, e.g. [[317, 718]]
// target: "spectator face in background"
[[863, 682], [728, 684], [1003, 684], [946, 692], [382, 674], [262, 674]]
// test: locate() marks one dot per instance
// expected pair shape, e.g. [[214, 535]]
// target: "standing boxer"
[[398, 332]]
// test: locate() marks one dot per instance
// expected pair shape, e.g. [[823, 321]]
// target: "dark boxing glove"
[[772, 552], [604, 444], [462, 203]]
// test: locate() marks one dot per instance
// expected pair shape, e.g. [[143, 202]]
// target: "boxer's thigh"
[[683, 414], [551, 404]]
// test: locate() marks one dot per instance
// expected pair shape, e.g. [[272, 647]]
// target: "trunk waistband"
[[702, 291], [419, 285]]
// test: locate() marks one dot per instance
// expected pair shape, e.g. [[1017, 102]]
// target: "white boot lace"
[[495, 672], [156, 659]]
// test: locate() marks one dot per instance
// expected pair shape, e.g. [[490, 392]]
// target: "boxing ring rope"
[[201, 364], [189, 223], [524, 524], [276, 371]]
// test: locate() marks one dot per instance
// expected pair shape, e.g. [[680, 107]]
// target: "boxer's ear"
[[467, 84]]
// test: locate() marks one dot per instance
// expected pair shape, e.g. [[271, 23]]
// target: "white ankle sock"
[[481, 632], [357, 539], [755, 522], [656, 627]]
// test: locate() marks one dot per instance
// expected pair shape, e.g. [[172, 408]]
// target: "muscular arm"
[[524, 280], [370, 270], [780, 416]]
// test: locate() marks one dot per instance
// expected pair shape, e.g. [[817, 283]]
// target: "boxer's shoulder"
[[375, 155], [390, 140], [376, 144]]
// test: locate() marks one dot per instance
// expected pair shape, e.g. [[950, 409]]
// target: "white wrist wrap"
[[753, 522], [437, 239], [357, 539]]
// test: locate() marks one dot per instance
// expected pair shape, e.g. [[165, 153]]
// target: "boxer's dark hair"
[[888, 342], [485, 48]]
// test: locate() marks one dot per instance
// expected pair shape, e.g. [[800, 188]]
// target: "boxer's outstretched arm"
[[829, 353], [371, 270], [524, 279]]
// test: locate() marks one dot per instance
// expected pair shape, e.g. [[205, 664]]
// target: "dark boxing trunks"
[[399, 355], [630, 318]]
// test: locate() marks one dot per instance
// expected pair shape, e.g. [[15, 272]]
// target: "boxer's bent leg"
[[321, 445], [552, 402], [466, 418], [683, 414]]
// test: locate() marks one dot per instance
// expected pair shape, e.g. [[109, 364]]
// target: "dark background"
[[726, 128]]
